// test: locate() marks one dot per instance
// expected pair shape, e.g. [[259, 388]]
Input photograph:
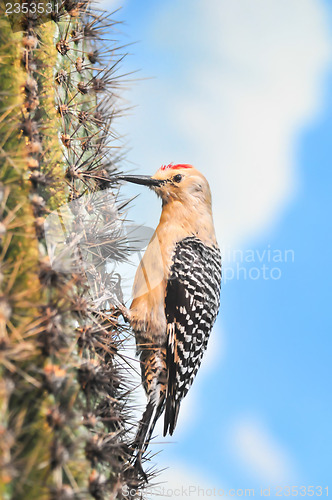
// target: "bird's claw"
[[125, 312]]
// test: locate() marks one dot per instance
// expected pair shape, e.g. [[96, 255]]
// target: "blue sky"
[[253, 99]]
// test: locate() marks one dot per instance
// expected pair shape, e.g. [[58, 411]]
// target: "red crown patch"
[[175, 167]]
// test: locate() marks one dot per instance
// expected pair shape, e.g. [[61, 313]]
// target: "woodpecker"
[[176, 294]]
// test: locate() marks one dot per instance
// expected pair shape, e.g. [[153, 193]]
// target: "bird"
[[176, 295]]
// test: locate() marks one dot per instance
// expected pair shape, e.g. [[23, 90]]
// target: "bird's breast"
[[149, 290], [147, 308]]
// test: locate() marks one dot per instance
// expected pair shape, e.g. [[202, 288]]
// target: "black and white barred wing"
[[192, 304]]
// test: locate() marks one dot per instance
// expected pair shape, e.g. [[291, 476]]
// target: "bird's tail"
[[147, 424], [154, 379], [171, 414]]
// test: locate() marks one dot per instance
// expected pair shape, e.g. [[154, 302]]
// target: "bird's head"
[[176, 182]]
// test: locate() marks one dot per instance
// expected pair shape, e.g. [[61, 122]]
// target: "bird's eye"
[[177, 178]]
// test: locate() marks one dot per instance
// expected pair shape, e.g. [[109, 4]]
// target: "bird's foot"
[[125, 312]]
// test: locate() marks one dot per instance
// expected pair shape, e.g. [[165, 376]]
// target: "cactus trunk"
[[64, 398]]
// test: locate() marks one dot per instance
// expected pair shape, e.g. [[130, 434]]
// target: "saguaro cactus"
[[64, 397]]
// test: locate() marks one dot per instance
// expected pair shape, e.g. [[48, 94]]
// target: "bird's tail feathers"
[[146, 427], [139, 442], [148, 422], [171, 415]]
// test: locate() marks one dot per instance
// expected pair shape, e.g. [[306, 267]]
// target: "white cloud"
[[260, 453], [235, 84]]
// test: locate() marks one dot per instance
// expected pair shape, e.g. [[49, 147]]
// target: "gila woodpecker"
[[175, 294]]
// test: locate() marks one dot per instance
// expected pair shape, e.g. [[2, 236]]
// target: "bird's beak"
[[145, 180]]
